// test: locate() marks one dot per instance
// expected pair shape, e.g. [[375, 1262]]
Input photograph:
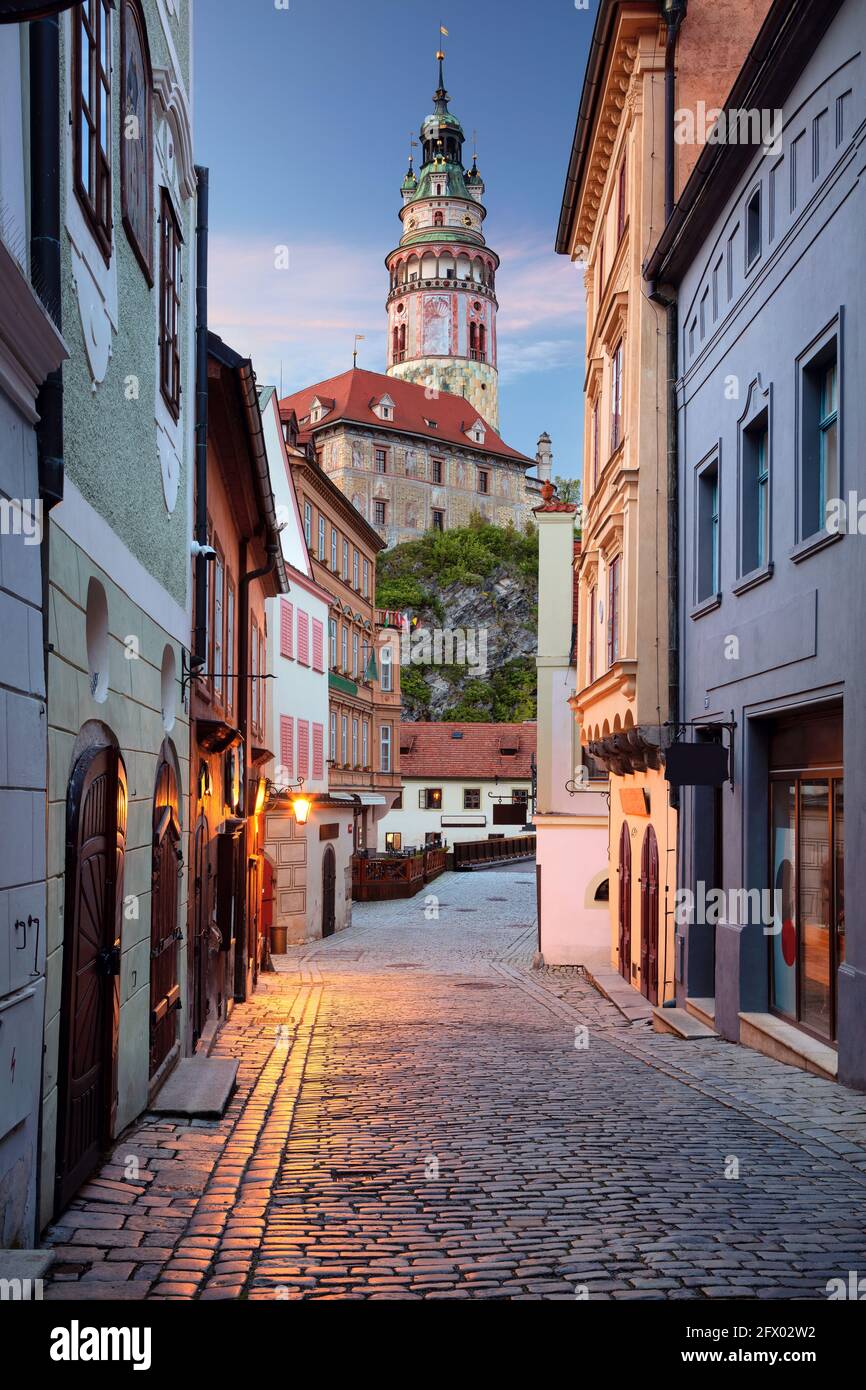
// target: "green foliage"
[[414, 691], [568, 489], [466, 556], [506, 696]]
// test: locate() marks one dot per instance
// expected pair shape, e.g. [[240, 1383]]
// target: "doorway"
[[329, 884], [807, 870], [164, 932], [625, 903], [649, 917], [96, 808]]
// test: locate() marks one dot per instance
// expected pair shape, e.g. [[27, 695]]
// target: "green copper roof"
[[451, 176]]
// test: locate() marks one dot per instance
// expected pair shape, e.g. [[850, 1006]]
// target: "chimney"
[[544, 458]]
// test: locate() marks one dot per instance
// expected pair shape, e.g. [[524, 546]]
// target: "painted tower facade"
[[442, 298]]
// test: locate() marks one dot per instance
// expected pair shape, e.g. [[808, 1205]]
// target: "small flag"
[[443, 30]]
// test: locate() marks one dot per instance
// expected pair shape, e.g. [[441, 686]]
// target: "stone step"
[[704, 1010], [681, 1024], [198, 1088]]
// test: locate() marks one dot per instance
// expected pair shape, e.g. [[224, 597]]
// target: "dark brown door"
[[164, 931], [329, 881], [90, 1014], [200, 935], [649, 917], [625, 903]]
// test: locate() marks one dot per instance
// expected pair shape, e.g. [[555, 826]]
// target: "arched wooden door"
[[164, 931], [649, 917], [90, 1014], [625, 903], [329, 883]]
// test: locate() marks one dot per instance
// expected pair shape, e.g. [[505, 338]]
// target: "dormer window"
[[383, 406], [477, 433]]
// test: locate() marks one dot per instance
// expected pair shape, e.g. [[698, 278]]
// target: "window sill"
[[753, 578], [814, 543], [707, 605]]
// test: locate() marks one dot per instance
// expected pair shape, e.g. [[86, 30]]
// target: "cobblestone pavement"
[[419, 1115]]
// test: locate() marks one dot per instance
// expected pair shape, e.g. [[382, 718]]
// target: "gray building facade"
[[764, 254]]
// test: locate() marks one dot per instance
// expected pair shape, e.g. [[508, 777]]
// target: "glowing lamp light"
[[261, 794], [301, 807]]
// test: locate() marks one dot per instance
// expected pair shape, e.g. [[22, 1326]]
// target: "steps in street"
[[681, 1024]]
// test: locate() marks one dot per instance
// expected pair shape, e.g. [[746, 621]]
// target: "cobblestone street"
[[416, 1117]]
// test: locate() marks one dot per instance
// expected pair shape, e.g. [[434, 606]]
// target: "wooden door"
[[649, 917], [329, 884], [625, 903], [90, 1011], [164, 932]]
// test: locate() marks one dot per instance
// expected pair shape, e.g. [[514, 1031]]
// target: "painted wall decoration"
[[437, 317]]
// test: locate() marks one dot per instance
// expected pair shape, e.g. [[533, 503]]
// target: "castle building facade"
[[409, 463], [417, 448]]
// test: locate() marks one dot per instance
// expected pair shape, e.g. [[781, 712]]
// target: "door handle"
[[108, 962]]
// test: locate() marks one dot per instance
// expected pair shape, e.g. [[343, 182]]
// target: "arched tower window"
[[438, 219]]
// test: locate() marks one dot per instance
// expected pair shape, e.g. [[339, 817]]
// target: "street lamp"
[[301, 806]]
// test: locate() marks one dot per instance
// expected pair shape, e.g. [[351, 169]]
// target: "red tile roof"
[[355, 392], [431, 750]]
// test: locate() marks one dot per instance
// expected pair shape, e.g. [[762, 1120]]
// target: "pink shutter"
[[303, 748], [286, 624], [303, 637], [287, 738], [318, 747], [318, 646]]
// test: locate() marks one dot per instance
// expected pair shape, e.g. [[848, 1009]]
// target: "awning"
[[360, 798]]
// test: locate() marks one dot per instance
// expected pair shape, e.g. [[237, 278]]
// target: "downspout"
[[199, 652], [45, 277], [674, 12], [241, 944]]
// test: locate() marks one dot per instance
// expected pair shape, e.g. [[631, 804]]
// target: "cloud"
[[304, 317], [300, 321]]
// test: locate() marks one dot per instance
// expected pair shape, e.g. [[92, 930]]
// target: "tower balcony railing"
[[442, 283]]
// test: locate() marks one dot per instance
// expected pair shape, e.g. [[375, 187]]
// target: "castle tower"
[[442, 300], [544, 459]]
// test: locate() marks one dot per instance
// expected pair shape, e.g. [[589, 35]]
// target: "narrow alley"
[[419, 1115]]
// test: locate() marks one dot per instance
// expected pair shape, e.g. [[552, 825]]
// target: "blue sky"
[[303, 115]]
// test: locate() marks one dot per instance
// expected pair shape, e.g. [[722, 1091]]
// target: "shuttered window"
[[287, 646], [318, 646], [318, 750], [303, 637], [287, 737], [303, 748]]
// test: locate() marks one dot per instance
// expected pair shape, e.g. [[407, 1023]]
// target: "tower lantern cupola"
[[442, 299]]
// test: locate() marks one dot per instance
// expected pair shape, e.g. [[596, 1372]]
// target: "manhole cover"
[[475, 984]]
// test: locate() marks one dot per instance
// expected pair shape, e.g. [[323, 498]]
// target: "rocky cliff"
[[471, 599]]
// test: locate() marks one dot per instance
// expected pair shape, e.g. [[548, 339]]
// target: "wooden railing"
[[475, 854], [379, 878]]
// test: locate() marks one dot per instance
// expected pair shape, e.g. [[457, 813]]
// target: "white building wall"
[[413, 823]]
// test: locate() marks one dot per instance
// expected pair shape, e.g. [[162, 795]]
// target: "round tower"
[[442, 298]]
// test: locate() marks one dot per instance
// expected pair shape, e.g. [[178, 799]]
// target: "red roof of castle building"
[[467, 750], [352, 395]]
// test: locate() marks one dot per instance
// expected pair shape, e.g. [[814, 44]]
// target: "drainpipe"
[[199, 653], [45, 277], [674, 12]]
